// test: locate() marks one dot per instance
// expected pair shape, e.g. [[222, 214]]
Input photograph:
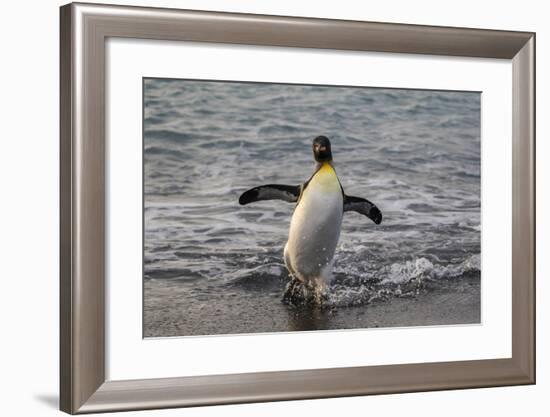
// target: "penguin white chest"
[[315, 226]]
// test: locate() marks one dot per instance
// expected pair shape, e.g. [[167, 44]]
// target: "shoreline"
[[454, 302]]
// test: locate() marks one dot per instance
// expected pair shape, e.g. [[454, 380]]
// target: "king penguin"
[[315, 225]]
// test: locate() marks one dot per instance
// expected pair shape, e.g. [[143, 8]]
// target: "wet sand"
[[169, 313]]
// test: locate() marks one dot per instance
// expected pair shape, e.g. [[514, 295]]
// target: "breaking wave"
[[350, 286], [400, 279]]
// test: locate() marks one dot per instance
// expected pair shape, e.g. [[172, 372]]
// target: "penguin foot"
[[298, 293]]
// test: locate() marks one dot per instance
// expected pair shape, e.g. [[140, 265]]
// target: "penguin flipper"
[[363, 206], [289, 193]]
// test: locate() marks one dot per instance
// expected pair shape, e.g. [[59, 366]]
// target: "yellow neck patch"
[[326, 166], [326, 178]]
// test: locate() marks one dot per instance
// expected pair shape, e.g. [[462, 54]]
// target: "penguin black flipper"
[[289, 193], [362, 206]]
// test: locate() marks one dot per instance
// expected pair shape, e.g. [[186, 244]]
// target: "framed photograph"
[[261, 208]]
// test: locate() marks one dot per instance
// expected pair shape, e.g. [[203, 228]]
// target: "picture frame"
[[84, 29]]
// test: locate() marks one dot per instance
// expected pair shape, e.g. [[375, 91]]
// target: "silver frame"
[[84, 30]]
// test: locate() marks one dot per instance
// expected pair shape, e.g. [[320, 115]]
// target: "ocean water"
[[212, 266]]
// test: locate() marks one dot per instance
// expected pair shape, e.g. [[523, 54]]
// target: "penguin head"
[[321, 149]]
